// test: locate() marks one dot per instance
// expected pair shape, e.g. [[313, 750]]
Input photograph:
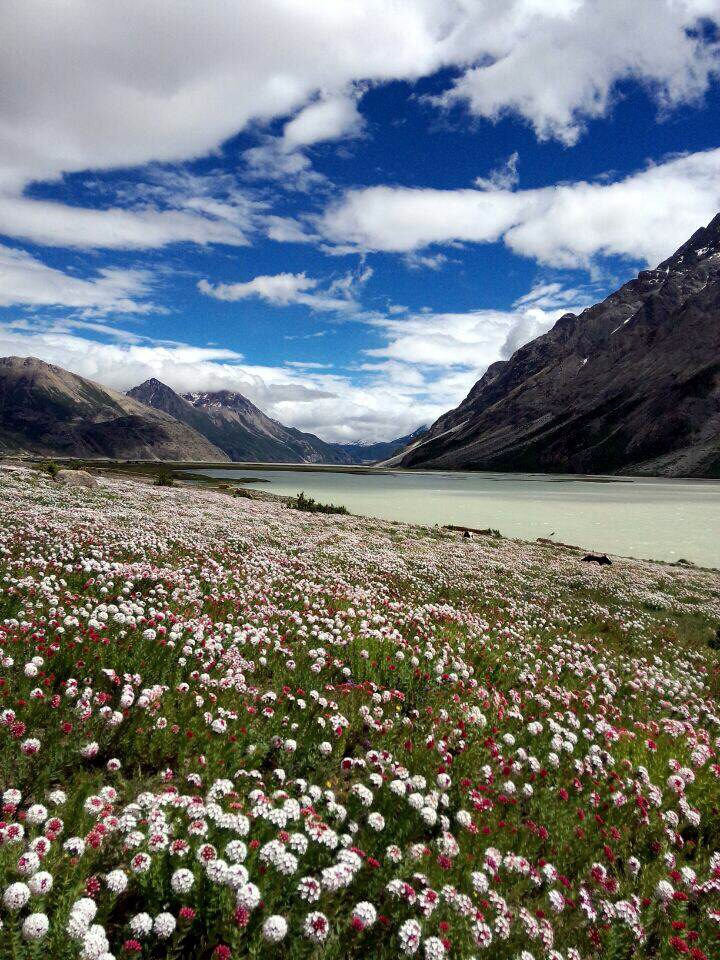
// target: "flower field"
[[230, 729]]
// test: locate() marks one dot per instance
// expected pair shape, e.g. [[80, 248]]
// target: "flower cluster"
[[230, 730]]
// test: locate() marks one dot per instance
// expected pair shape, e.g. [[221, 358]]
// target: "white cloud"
[[271, 161], [421, 261], [282, 289], [502, 178], [26, 281], [103, 86], [61, 225], [644, 216], [97, 86], [329, 118], [427, 364], [167, 206], [557, 63], [469, 341]]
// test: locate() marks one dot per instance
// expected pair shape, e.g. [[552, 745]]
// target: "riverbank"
[[226, 718]]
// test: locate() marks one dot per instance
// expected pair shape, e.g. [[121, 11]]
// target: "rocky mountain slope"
[[45, 410], [631, 385], [234, 424]]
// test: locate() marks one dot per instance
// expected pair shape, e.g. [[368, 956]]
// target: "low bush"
[[311, 505]]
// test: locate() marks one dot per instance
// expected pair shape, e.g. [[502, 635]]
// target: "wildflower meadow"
[[232, 729]]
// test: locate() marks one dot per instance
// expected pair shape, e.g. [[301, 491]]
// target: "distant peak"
[[703, 243], [151, 386]]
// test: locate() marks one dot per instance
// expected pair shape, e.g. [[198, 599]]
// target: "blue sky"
[[344, 210]]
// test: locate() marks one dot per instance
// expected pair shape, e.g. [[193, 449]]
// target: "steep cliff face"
[[48, 411], [631, 385]]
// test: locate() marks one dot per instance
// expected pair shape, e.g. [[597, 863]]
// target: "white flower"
[[409, 936], [141, 925], [182, 881], [95, 943], [275, 928], [236, 851], [37, 813], [35, 927], [316, 926], [16, 896], [116, 881], [479, 881], [40, 883], [434, 949], [248, 896], [664, 890], [482, 934], [164, 925], [309, 889], [28, 863], [364, 914]]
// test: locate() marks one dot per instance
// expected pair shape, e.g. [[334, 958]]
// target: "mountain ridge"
[[234, 424], [48, 411], [630, 385]]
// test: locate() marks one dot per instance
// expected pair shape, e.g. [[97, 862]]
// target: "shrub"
[[164, 479], [311, 505], [51, 467]]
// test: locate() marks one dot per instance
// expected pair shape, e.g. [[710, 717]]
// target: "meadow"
[[233, 729]]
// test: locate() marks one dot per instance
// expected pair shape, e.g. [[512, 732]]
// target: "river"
[[638, 517]]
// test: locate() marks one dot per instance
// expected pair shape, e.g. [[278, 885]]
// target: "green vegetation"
[[164, 479], [311, 505]]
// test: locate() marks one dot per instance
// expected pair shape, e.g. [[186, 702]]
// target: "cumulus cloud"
[[557, 63], [116, 87], [26, 281], [283, 289], [644, 216], [427, 364], [329, 404], [330, 118], [470, 341]]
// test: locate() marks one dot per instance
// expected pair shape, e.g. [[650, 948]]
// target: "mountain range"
[[48, 411], [243, 432], [630, 385]]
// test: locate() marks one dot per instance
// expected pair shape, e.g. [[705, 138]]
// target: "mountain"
[[45, 410], [235, 425], [382, 450], [631, 385]]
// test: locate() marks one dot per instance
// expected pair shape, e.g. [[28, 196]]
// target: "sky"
[[343, 209]]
